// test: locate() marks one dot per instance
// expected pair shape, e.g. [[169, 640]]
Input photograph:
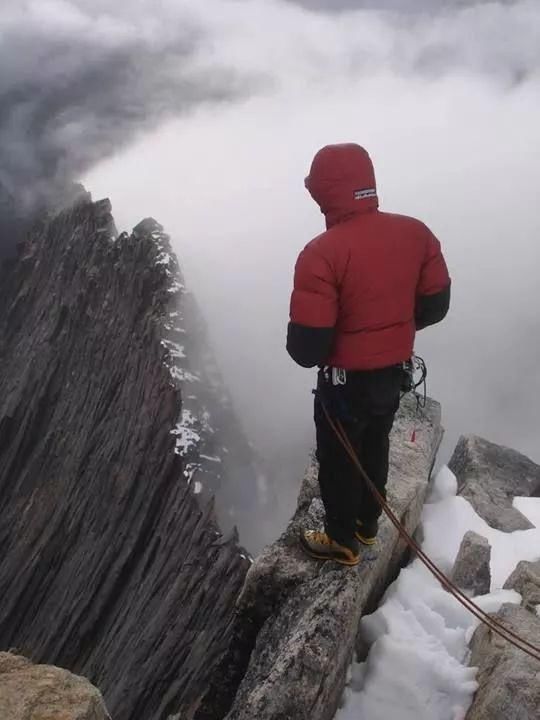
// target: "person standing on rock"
[[361, 291]]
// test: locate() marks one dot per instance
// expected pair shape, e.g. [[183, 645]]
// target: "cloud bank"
[[79, 80]]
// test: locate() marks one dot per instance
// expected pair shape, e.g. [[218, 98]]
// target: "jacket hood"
[[342, 182]]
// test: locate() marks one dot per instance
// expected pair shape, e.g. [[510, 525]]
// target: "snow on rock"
[[456, 514], [176, 351], [210, 458], [417, 668], [175, 287], [187, 437], [181, 375], [208, 422]]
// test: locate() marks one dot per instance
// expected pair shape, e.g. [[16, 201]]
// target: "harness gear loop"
[[410, 384]]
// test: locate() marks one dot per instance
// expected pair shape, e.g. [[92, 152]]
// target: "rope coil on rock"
[[494, 625]]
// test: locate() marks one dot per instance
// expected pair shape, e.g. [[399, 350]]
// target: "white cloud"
[[455, 140]]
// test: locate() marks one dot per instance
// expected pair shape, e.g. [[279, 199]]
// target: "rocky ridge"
[[112, 565], [297, 619]]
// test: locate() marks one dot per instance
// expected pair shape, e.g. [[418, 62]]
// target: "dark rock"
[[297, 618], [489, 476], [472, 566], [526, 581], [12, 224], [509, 680], [110, 565]]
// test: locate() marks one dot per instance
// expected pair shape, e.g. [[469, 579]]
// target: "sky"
[[79, 79], [206, 116], [405, 6]]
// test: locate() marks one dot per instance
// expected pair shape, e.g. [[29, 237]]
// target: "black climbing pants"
[[366, 406]]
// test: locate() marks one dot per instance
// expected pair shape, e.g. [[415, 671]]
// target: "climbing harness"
[[494, 625], [411, 382], [339, 376]]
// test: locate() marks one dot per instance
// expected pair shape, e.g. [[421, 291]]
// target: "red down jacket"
[[363, 287]]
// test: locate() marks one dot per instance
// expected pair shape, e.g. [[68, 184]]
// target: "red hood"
[[342, 182]]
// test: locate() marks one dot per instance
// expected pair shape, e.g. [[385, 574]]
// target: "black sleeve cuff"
[[309, 346], [431, 309]]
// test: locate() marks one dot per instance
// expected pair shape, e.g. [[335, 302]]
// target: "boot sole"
[[317, 556], [364, 540]]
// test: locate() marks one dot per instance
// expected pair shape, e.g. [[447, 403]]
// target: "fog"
[[404, 6], [81, 79], [451, 116], [448, 105]]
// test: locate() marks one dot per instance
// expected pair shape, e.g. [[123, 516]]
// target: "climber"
[[361, 291]]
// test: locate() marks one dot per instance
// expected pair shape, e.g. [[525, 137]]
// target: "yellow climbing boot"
[[320, 546], [366, 533]]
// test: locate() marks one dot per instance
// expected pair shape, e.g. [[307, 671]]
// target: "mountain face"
[[115, 430], [11, 224]]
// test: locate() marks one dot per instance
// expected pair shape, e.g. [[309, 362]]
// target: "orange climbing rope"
[[497, 627]]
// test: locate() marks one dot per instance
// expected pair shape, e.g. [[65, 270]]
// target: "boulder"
[[509, 680], [471, 570], [298, 618], [489, 476], [526, 581], [43, 692]]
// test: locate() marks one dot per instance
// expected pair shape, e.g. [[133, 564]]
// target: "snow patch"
[[183, 375], [176, 351], [210, 458], [415, 668], [163, 259], [189, 471], [186, 435], [171, 327], [446, 522], [175, 287]]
